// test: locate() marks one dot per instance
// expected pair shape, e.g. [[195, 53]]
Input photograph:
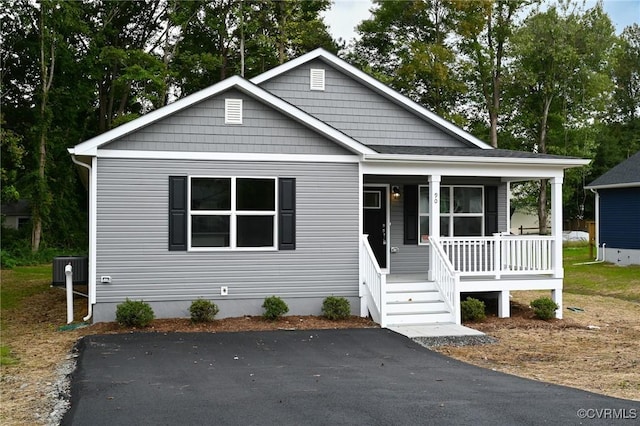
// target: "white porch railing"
[[500, 254], [374, 282], [445, 278]]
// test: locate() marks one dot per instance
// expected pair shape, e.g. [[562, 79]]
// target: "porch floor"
[[409, 278], [435, 330]]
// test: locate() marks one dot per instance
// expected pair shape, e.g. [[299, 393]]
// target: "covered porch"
[[433, 228]]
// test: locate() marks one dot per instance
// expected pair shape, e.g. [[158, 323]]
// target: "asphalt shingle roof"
[[464, 152], [624, 173]]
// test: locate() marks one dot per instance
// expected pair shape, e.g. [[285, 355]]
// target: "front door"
[[375, 221]]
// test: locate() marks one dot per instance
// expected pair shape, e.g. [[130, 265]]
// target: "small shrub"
[[274, 308], [336, 308], [132, 313], [203, 310], [472, 310], [544, 308]]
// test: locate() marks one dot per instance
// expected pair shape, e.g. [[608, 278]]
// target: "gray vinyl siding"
[[356, 109], [201, 128], [132, 240]]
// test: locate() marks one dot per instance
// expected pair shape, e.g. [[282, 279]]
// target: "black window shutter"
[[287, 214], [177, 213], [490, 210], [410, 214]]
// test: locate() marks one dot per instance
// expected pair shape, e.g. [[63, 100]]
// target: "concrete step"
[[411, 286], [413, 296], [416, 307], [419, 318]]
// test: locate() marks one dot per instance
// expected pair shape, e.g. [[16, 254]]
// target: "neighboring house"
[[618, 212], [16, 215], [311, 180]]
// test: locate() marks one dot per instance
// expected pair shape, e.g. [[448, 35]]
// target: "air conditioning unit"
[[80, 265]]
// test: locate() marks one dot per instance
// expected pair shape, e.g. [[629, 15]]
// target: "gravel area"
[[434, 342], [60, 391]]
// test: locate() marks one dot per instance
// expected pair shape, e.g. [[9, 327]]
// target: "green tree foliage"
[[407, 44], [72, 70], [485, 28], [618, 137], [12, 155], [560, 83]]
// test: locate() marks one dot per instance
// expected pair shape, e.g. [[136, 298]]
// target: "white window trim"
[[233, 214], [451, 215]]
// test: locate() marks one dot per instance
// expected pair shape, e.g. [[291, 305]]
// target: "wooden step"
[[411, 286], [413, 296], [416, 307]]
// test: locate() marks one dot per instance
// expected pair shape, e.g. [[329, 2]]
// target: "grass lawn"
[[22, 282], [17, 285], [604, 279]]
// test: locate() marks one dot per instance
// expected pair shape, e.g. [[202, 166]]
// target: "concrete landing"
[[435, 330]]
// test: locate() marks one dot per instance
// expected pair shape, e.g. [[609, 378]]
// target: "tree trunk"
[[40, 198], [543, 214], [493, 118]]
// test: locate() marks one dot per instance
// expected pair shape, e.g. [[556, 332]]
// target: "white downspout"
[[597, 212], [92, 266]]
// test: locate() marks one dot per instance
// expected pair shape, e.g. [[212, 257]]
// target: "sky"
[[346, 14]]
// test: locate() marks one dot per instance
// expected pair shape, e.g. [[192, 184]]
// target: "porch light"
[[395, 192]]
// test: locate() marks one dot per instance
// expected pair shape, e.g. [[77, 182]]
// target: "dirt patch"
[[597, 350], [604, 358]]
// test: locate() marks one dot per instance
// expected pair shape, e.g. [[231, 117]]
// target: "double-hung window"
[[461, 212], [232, 212]]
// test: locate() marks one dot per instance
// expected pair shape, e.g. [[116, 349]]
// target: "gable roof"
[[377, 86], [90, 146], [624, 175]]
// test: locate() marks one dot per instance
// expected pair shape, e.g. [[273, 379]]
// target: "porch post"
[[556, 226], [434, 215], [504, 299], [556, 296], [508, 207]]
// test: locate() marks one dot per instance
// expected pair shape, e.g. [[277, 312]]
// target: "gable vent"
[[317, 79], [233, 111]]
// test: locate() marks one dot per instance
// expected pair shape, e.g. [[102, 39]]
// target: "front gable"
[[195, 121], [355, 109], [201, 128]]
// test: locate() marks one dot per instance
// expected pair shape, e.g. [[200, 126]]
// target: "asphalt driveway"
[[363, 377]]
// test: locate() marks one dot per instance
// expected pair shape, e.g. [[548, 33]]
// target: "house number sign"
[[435, 198]]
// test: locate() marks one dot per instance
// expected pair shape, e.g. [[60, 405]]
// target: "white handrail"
[[374, 282], [500, 254], [446, 278]]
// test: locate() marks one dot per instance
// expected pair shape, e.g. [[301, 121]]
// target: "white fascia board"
[[90, 147], [451, 159], [226, 156], [376, 85], [615, 186], [502, 171]]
